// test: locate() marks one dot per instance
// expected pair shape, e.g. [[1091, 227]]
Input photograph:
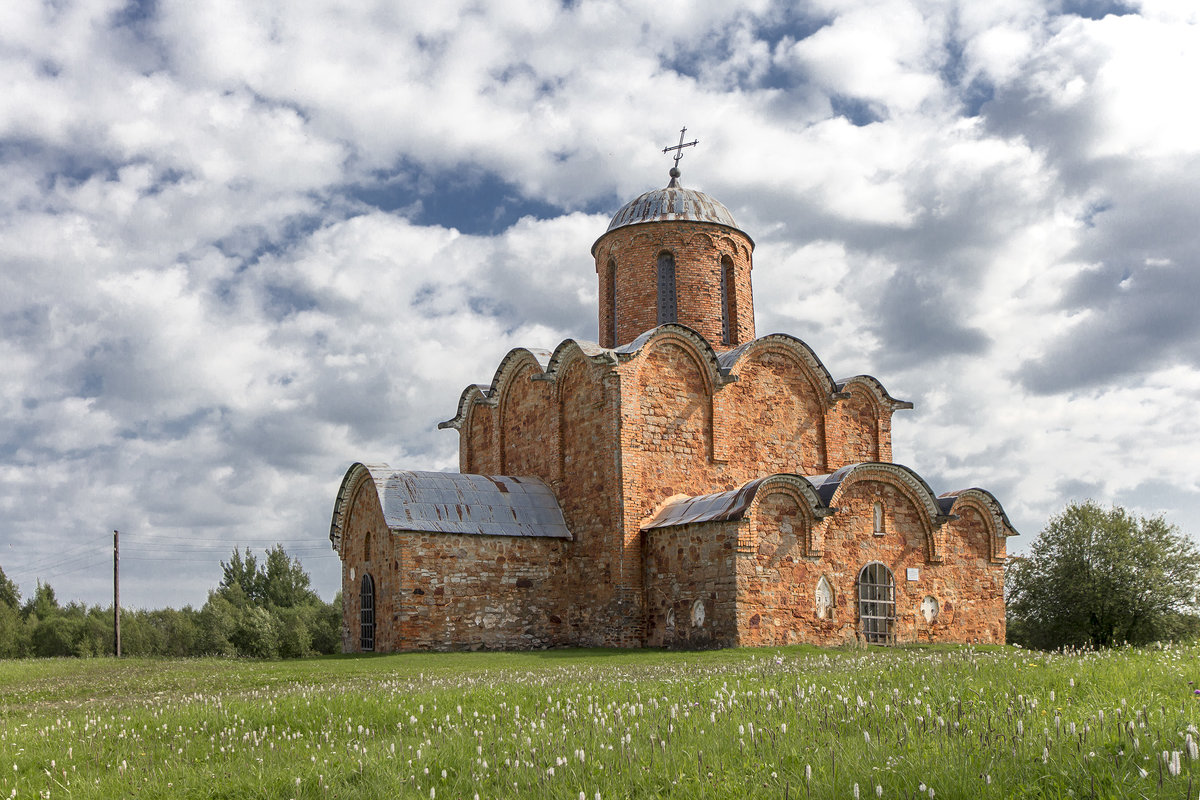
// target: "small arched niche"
[[824, 599]]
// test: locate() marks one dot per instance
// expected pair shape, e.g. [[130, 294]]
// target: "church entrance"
[[366, 618], [877, 604]]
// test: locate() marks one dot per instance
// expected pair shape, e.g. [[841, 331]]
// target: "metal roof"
[[672, 203], [706, 507], [450, 502]]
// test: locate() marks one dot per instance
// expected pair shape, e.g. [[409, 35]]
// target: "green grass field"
[[794, 722]]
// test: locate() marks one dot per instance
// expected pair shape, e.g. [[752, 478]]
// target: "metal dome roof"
[[670, 204]]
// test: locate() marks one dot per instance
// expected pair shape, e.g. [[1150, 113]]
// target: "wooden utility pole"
[[117, 589]]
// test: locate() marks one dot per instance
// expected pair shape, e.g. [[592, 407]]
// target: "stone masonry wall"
[[440, 591], [590, 496], [690, 586], [773, 417], [698, 248], [462, 591], [677, 437], [529, 426], [367, 549], [479, 442], [777, 585], [860, 430]]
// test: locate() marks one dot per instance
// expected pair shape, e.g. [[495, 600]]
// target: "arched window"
[[666, 288], [877, 604], [367, 546], [728, 302], [366, 614], [824, 599], [612, 305], [877, 515]]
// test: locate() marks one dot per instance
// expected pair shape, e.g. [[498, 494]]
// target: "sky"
[[244, 245]]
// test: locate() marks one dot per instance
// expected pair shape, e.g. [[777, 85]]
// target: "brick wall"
[[774, 415], [468, 592], [368, 549], [529, 425], [590, 496], [698, 249], [437, 591], [688, 568], [777, 583]]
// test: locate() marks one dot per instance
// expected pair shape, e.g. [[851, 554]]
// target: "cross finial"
[[679, 153]]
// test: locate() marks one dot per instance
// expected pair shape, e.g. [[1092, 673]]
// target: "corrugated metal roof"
[[450, 502]]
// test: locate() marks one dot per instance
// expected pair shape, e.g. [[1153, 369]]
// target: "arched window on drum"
[[667, 309]]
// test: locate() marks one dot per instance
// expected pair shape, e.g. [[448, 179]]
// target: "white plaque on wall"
[[914, 574]]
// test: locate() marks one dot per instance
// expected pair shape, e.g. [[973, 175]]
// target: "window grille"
[[666, 288], [877, 604], [366, 614]]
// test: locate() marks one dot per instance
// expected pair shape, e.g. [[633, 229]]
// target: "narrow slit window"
[[878, 517], [612, 304], [728, 302], [666, 288]]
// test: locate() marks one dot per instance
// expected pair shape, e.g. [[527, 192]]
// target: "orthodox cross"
[[679, 147]]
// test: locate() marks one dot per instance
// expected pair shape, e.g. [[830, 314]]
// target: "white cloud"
[[203, 320]]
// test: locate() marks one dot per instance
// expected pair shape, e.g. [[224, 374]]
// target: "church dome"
[[670, 204]]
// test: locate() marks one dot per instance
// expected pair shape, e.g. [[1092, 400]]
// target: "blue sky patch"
[[1098, 9], [469, 199]]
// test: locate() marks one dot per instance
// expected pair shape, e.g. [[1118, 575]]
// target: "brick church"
[[680, 484]]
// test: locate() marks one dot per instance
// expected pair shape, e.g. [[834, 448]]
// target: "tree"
[[12, 629], [241, 573], [268, 610], [284, 582], [9, 594], [1100, 577]]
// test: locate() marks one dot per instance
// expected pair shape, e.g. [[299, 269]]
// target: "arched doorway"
[[366, 615], [877, 604]]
